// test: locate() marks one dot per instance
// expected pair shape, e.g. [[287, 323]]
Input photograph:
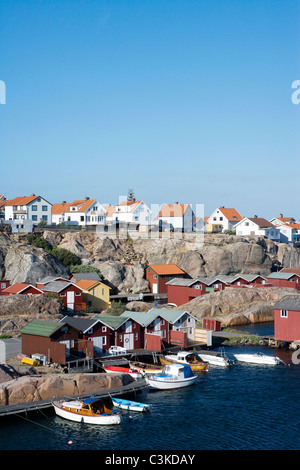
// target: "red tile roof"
[[18, 287], [173, 210], [231, 214], [163, 269]]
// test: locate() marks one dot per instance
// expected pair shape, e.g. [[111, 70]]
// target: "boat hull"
[[105, 419], [159, 383], [122, 370], [258, 359], [146, 368], [202, 366], [130, 405], [216, 360]]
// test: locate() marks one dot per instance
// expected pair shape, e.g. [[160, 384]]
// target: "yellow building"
[[95, 294]]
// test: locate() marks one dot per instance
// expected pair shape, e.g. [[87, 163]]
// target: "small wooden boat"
[[123, 370], [185, 357], [173, 376], [146, 368], [259, 358], [90, 411], [130, 405]]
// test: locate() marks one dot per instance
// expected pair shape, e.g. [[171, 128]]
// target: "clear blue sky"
[[182, 100]]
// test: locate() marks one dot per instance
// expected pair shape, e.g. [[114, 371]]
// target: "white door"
[[154, 289], [157, 328], [128, 340], [68, 347], [70, 300], [98, 344]]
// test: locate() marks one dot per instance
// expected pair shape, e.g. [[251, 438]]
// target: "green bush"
[[65, 256]]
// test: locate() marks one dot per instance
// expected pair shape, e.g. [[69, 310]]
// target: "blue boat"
[[130, 405]]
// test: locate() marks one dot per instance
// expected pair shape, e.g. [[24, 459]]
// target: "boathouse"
[[159, 274], [58, 341], [287, 318]]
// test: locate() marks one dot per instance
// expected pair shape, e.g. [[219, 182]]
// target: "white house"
[[282, 220], [177, 216], [289, 232], [227, 217], [28, 208], [257, 226], [135, 212], [82, 212]]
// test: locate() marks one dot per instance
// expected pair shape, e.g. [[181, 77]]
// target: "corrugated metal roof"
[[143, 318], [41, 328], [80, 324], [280, 275], [289, 302], [56, 286], [113, 321]]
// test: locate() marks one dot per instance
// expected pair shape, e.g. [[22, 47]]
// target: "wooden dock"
[[133, 387]]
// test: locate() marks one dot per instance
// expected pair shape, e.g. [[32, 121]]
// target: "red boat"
[[123, 370]]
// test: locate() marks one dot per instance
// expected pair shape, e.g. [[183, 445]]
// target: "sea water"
[[246, 407]]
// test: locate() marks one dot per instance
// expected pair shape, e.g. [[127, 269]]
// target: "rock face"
[[30, 388], [23, 263], [17, 310], [234, 306]]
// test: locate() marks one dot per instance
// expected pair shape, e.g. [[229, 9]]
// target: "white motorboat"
[[259, 358], [173, 376], [216, 358], [90, 411]]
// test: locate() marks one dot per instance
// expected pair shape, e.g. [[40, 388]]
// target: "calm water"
[[247, 407]]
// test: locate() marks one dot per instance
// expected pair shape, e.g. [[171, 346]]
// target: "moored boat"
[[130, 405], [89, 410], [259, 358], [173, 376], [146, 368], [185, 357], [123, 370], [216, 358]]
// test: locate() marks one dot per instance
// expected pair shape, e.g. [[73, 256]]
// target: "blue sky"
[[182, 100]]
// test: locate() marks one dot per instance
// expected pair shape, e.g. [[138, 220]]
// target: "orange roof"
[[20, 201], [163, 269], [173, 210], [17, 287], [86, 284], [109, 210], [81, 204], [231, 214]]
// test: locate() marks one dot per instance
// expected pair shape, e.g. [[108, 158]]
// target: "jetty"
[[133, 387]]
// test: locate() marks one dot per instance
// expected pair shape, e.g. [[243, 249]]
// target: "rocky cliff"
[[121, 261]]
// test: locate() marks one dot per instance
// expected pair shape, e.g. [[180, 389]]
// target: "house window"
[[104, 343], [45, 217], [163, 333], [283, 313], [155, 276], [82, 218], [90, 331], [136, 336], [44, 208], [104, 329], [77, 294], [102, 291], [162, 322], [120, 338], [34, 208], [63, 295], [34, 217]]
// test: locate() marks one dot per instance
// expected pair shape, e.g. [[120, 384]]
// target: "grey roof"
[[289, 302], [280, 275], [181, 282], [92, 276], [209, 281], [47, 279], [81, 324], [145, 318], [56, 286]]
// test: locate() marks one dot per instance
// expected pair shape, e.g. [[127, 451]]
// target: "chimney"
[[175, 202], [281, 216], [87, 198], [64, 202], [255, 216]]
